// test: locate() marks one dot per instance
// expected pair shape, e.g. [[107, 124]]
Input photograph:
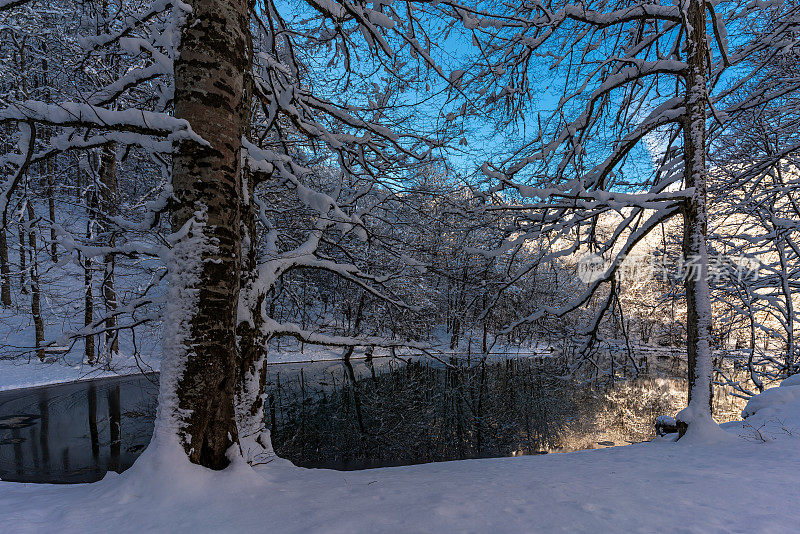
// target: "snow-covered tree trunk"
[[23, 262], [254, 440], [198, 378], [695, 248], [49, 167], [108, 180], [88, 273], [5, 270], [786, 291]]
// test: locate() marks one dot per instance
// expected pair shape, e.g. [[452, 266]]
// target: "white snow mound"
[[776, 407]]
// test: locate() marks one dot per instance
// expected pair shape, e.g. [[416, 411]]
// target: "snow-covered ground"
[[746, 482], [25, 373]]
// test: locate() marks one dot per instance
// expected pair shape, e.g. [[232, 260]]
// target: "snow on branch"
[[132, 22], [76, 114], [635, 237], [272, 328]]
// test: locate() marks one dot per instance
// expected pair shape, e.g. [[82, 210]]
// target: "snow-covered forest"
[[242, 239]]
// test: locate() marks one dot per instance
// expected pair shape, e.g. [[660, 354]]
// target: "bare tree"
[[632, 73]]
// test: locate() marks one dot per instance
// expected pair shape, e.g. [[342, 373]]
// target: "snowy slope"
[[746, 484]]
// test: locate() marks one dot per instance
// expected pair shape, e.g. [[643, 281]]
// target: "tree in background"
[[631, 72], [758, 208]]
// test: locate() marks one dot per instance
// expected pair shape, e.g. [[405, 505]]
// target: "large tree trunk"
[[88, 309], [51, 207], [108, 179], [23, 266], [5, 269], [36, 310], [48, 163], [5, 265], [695, 248], [198, 378], [88, 295]]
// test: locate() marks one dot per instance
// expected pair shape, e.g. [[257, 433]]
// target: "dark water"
[[75, 432], [321, 414], [424, 412]]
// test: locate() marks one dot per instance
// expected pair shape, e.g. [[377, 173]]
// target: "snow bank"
[[776, 410], [622, 489], [742, 484], [793, 380]]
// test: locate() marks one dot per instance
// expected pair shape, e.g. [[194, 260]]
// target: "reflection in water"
[[115, 427], [43, 432], [340, 414], [91, 399], [17, 441], [75, 432]]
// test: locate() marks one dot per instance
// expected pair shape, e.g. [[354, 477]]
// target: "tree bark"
[[108, 204], [48, 163], [36, 309], [5, 269], [200, 337], [88, 297], [88, 309], [780, 244], [695, 247], [23, 264], [51, 208], [253, 439], [108, 180]]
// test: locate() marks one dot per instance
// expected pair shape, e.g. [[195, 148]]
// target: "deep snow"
[[746, 484]]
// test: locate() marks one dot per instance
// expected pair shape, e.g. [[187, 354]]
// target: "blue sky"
[[485, 142]]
